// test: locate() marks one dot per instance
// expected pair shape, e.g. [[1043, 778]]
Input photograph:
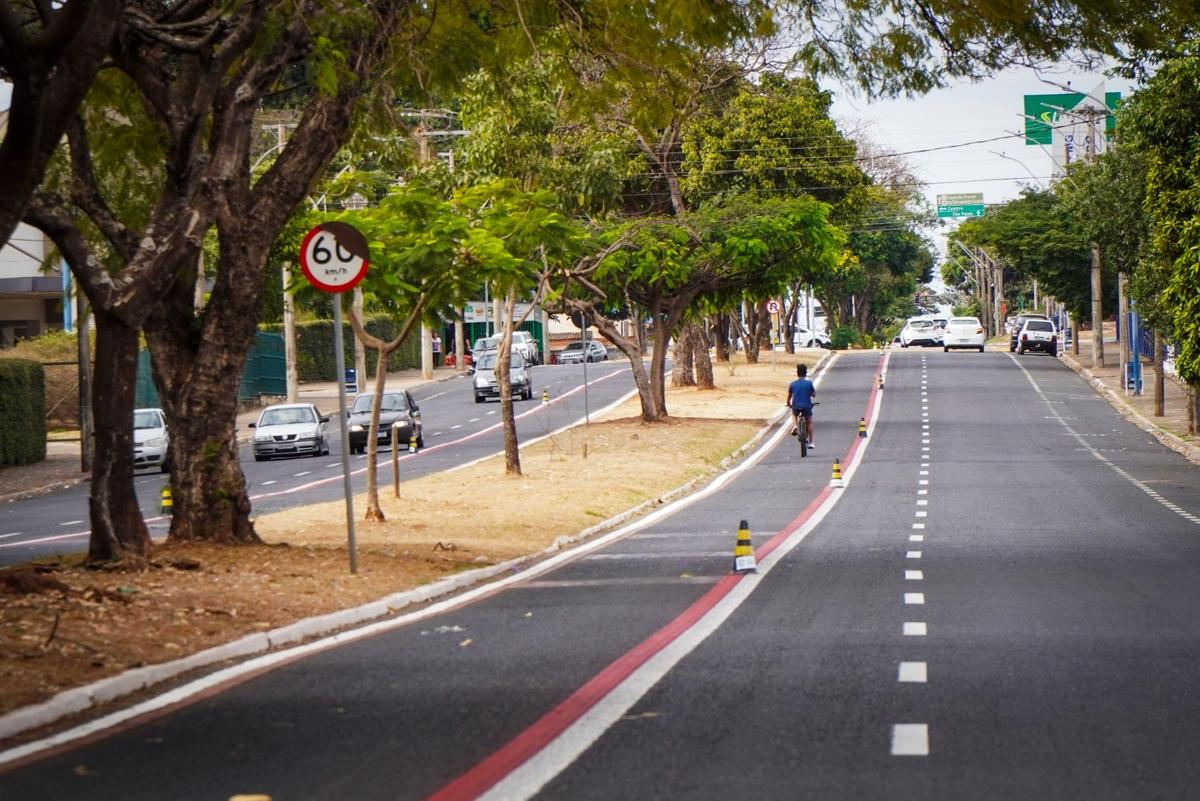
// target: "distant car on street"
[[805, 338], [919, 331], [1017, 324], [524, 342], [484, 345], [576, 352], [150, 440], [290, 429], [397, 410], [486, 385], [963, 332], [1038, 334]]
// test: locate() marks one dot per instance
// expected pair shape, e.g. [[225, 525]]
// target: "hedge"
[[315, 359], [23, 410]]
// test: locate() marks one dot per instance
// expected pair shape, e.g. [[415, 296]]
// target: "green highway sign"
[[1042, 112], [969, 204]]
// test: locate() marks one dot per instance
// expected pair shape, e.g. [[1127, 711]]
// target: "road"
[[456, 430], [1001, 604]]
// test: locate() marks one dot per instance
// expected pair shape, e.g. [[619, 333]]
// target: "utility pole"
[[419, 133], [1124, 335], [1097, 282]]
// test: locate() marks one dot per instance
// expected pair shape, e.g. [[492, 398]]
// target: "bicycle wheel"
[[802, 426]]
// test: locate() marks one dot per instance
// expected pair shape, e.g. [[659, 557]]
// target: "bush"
[[868, 342], [844, 337], [23, 410], [315, 360]]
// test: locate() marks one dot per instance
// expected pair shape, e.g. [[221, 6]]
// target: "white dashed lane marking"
[[914, 575], [912, 672], [916, 537], [918, 526], [915, 629], [922, 503], [269, 483], [914, 598], [912, 555], [302, 473], [910, 739], [11, 534], [455, 426], [473, 420], [71, 523]]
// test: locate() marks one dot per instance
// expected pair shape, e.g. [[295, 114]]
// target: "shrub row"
[[315, 359], [23, 410]]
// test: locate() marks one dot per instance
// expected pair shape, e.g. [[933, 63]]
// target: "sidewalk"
[[1171, 428], [61, 467]]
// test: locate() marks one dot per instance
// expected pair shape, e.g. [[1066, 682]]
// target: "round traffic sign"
[[773, 306], [334, 256]]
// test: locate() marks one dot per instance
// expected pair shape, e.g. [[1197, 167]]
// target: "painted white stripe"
[[918, 526], [924, 449], [920, 513], [456, 426], [11, 534], [914, 598], [269, 483], [910, 739], [922, 503], [922, 472], [914, 672], [914, 575], [916, 537], [71, 523], [912, 555], [925, 440], [922, 481], [302, 473], [616, 557], [922, 492], [915, 629], [493, 411], [473, 420]]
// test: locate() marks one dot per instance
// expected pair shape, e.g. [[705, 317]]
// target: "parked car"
[[919, 331], [484, 345], [290, 429], [576, 352], [488, 386], [1038, 334], [804, 338], [150, 440], [397, 409], [523, 342], [963, 332], [1017, 324]]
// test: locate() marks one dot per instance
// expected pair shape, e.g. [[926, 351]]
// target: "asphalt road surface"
[[456, 431], [1001, 603]]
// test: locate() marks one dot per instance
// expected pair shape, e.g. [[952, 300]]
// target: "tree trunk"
[[704, 368], [118, 529], [720, 328], [632, 347], [682, 359], [374, 513], [512, 453]]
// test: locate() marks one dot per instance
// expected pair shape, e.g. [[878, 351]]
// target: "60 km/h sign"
[[334, 257]]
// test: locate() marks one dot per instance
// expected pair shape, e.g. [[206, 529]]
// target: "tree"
[[50, 52], [1161, 120]]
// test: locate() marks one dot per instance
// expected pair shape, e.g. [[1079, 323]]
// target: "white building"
[[31, 296]]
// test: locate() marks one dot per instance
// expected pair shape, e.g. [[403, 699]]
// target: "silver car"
[[487, 386], [150, 440], [576, 352], [290, 429]]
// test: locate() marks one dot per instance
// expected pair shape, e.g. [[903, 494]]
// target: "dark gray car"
[[397, 410]]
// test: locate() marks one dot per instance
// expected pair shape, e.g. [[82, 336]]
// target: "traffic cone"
[[743, 552], [545, 396], [412, 443], [837, 481], [166, 506], [862, 427]]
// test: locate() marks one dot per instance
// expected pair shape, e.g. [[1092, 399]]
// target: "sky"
[[962, 113]]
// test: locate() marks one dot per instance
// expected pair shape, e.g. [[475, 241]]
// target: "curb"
[[1173, 441], [79, 699]]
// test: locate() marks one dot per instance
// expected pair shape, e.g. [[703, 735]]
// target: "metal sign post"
[[335, 257]]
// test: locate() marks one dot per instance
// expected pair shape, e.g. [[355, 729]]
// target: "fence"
[[265, 372]]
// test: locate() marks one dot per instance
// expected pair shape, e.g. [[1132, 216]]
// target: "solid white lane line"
[[915, 629], [71, 523], [916, 537], [302, 473], [914, 672], [914, 575], [910, 739], [914, 598], [912, 555], [269, 483]]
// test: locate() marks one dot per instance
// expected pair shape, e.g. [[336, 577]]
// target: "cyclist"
[[800, 400]]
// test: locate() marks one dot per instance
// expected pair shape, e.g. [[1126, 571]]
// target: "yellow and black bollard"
[[881, 380], [862, 427], [166, 506], [837, 481], [412, 442], [743, 551], [545, 395]]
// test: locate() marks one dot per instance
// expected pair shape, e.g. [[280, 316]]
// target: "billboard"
[[1070, 123]]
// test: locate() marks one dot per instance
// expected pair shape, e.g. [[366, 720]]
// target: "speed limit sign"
[[334, 257], [773, 306]]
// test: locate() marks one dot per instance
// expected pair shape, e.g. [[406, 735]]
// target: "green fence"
[[265, 372]]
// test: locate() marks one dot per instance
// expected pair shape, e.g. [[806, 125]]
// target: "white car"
[[290, 429], [524, 343], [1038, 335], [804, 338], [150, 440], [963, 332], [920, 331]]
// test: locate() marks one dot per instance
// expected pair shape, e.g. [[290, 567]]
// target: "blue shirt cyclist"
[[800, 398]]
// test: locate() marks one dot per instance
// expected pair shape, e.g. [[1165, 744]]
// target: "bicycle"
[[802, 430]]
